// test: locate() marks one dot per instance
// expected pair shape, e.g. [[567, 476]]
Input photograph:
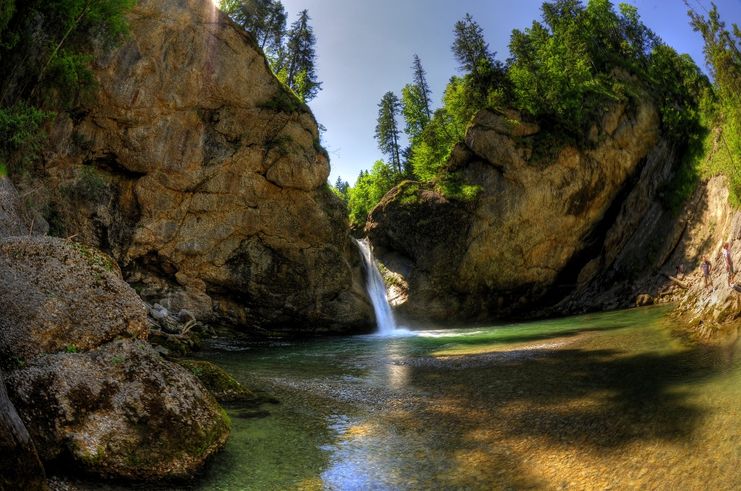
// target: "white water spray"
[[377, 291]]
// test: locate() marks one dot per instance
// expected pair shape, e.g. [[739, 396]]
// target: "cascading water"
[[377, 291]]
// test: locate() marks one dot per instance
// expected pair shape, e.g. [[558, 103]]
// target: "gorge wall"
[[557, 229], [205, 179], [529, 231]]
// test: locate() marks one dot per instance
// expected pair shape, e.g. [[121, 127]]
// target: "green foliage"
[[566, 70], [469, 46], [46, 46], [368, 191], [722, 146], [45, 52], [432, 149], [341, 189], [71, 348], [264, 19], [21, 135], [414, 110], [453, 187]]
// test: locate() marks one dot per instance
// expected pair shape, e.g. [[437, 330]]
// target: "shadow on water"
[[595, 401]]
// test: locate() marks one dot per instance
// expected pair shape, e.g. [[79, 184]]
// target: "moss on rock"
[[223, 386]]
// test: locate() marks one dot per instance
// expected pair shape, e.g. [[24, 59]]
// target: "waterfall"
[[376, 291]]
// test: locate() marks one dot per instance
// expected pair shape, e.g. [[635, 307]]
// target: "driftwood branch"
[[677, 281]]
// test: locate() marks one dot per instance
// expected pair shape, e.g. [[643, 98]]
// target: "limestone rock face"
[[119, 411], [204, 178], [707, 222], [529, 230]]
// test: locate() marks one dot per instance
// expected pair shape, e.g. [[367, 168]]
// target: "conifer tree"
[[264, 19], [420, 80], [387, 129], [415, 102], [469, 46], [299, 59]]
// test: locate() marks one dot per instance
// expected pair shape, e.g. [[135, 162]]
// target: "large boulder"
[[59, 295], [20, 467], [203, 176], [119, 411], [519, 218], [88, 387]]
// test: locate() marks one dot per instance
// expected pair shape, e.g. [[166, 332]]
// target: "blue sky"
[[365, 49]]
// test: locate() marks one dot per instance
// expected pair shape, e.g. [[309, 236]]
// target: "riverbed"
[[604, 401]]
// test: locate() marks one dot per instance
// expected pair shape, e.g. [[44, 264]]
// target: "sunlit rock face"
[[197, 171], [536, 228]]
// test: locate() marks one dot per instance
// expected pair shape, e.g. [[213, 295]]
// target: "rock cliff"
[[205, 179], [536, 229]]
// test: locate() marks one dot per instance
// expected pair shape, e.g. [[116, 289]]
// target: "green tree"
[[296, 63], [415, 102], [368, 191], [341, 189], [387, 129], [264, 19], [723, 56], [420, 81], [469, 46], [722, 52]]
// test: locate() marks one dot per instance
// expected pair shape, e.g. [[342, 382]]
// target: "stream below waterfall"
[[601, 401]]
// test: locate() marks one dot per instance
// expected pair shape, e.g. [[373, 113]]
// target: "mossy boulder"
[[223, 386], [119, 411]]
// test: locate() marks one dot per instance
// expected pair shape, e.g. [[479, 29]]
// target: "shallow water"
[[593, 402]]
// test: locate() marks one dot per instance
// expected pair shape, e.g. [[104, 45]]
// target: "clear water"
[[606, 401]]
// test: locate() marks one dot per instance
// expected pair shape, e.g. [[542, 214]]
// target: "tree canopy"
[[291, 53], [564, 71]]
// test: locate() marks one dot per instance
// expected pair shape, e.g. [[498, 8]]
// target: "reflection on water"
[[599, 401]]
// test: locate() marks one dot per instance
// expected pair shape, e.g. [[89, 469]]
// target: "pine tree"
[[420, 80], [415, 102], [264, 19], [342, 187], [299, 59], [469, 46], [387, 129]]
